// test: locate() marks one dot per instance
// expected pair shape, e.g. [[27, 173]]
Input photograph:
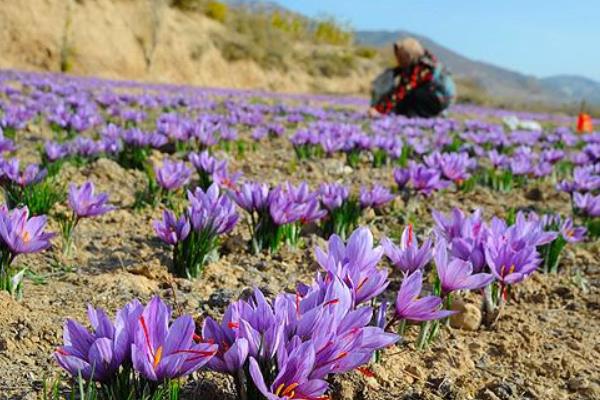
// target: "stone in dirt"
[[468, 317]]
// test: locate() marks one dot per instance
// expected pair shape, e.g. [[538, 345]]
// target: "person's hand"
[[373, 113]]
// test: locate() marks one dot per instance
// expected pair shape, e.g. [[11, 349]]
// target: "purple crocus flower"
[[455, 166], [211, 211], [22, 234], [521, 164], [293, 380], [498, 160], [457, 274], [6, 145], [259, 133], [572, 234], [225, 179], [251, 196], [377, 197], [553, 155], [32, 173], [355, 263], [104, 349], [162, 351], [333, 195], [55, 151], [206, 163], [425, 180], [358, 252], [508, 265], [85, 204], [401, 176], [587, 203], [172, 175], [424, 309], [408, 257], [170, 229], [260, 327], [232, 353]]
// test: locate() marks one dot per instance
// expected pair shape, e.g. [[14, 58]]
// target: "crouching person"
[[419, 86]]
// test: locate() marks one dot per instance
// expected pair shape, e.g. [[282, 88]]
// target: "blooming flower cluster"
[[194, 235], [277, 214], [19, 234], [141, 341]]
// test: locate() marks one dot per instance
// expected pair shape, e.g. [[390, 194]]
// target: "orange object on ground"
[[584, 123]]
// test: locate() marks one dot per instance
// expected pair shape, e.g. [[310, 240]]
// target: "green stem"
[[423, 335]]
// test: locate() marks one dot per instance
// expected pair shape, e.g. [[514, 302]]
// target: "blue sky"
[[540, 38]]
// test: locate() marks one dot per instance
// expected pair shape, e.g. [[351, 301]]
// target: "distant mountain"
[[573, 87], [495, 80]]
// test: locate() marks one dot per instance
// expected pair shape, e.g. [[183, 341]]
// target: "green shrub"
[[294, 25], [330, 31], [216, 10]]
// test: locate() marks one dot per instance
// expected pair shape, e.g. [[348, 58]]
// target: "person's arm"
[[384, 103]]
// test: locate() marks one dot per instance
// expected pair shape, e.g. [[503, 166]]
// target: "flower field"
[[166, 242]]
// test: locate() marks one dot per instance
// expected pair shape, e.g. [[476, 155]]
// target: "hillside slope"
[[144, 40], [495, 80]]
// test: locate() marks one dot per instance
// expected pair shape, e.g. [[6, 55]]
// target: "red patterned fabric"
[[409, 79]]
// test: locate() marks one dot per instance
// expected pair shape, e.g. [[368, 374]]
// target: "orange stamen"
[[157, 356], [290, 389]]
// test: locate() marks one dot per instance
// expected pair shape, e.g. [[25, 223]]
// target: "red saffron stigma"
[[331, 302], [146, 334], [366, 372]]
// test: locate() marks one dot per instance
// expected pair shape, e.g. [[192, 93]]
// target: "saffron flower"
[[409, 308], [408, 257], [343, 210], [277, 214], [293, 380], [19, 234], [206, 165], [172, 175], [84, 204], [97, 355], [162, 350], [356, 264], [456, 274], [425, 180], [587, 204], [194, 235], [170, 229], [511, 266], [376, 197]]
